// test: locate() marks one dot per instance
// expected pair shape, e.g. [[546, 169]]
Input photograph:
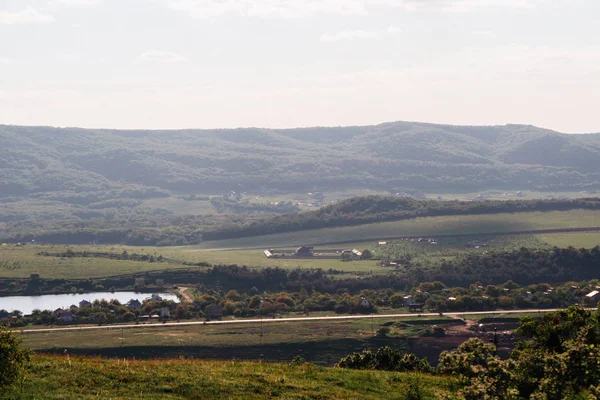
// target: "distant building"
[[84, 303], [268, 253], [592, 296], [155, 297], [304, 251], [66, 317], [134, 304], [165, 312], [364, 303]]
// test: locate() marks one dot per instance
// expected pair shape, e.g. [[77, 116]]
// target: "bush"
[[12, 358]]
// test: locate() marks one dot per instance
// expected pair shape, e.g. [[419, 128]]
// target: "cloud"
[[464, 5], [348, 35], [29, 15], [394, 30], [307, 8], [485, 34], [80, 3], [358, 34], [5, 61], [163, 57]]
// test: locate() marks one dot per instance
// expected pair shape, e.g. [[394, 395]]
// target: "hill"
[[84, 166], [70, 179]]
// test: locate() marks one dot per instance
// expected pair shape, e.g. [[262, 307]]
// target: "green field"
[[22, 261], [321, 342], [68, 377], [430, 226]]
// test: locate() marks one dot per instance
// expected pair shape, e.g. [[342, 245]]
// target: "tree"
[[366, 254], [12, 358]]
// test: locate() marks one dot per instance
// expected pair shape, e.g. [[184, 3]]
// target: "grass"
[[430, 226], [68, 377], [321, 342], [21, 262], [575, 239]]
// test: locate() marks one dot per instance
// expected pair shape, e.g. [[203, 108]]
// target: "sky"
[[161, 64]]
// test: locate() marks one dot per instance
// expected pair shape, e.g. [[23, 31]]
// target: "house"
[[356, 253], [408, 300], [213, 311], [593, 296], [155, 297], [416, 307], [134, 304], [165, 312], [4, 314], [66, 317], [364, 303], [305, 251], [84, 303], [268, 254]]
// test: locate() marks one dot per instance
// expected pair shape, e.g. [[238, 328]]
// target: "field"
[[431, 226], [68, 377], [22, 261], [320, 342]]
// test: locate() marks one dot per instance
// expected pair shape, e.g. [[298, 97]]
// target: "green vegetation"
[[182, 187], [12, 358], [70, 377], [558, 358]]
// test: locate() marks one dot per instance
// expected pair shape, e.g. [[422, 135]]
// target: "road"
[[270, 320]]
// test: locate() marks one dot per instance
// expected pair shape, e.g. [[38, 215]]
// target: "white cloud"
[[348, 35], [164, 57], [5, 61], [393, 30], [307, 8], [358, 34], [28, 15], [80, 3], [463, 5], [485, 34]]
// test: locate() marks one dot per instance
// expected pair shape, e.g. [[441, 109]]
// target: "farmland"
[[22, 261]]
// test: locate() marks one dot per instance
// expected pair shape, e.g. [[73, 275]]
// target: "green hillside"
[[65, 164]]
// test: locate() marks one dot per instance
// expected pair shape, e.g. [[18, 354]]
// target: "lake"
[[26, 304]]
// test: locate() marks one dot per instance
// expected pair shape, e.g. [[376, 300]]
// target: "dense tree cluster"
[[524, 266]]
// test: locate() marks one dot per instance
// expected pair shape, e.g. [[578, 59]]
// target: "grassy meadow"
[[22, 261], [430, 226], [320, 342], [68, 377]]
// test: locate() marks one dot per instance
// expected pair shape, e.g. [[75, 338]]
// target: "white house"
[[364, 303]]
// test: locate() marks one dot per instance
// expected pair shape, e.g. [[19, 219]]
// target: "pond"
[[26, 304]]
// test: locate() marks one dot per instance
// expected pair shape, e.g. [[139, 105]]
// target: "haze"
[[285, 63]]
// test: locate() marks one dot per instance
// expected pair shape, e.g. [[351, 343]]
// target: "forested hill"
[[83, 166]]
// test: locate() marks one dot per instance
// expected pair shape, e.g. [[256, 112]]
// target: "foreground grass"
[[67, 377]]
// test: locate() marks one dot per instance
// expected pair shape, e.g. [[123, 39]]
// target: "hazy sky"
[[287, 63]]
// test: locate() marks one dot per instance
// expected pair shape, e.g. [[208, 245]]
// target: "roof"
[[592, 294]]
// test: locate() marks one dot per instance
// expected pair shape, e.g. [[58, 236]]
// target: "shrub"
[[12, 358]]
